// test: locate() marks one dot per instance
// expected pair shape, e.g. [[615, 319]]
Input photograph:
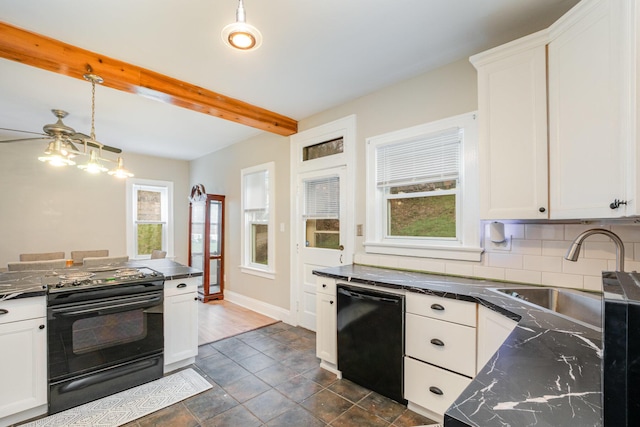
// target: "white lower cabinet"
[[493, 330], [440, 349], [23, 343], [180, 322], [326, 323], [430, 387]]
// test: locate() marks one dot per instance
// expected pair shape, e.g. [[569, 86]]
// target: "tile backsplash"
[[533, 253]]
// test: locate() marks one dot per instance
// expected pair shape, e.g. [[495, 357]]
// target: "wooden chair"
[[158, 254], [43, 256], [79, 256], [100, 261], [37, 265]]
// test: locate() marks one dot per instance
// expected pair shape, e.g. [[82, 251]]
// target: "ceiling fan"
[[65, 134], [62, 148]]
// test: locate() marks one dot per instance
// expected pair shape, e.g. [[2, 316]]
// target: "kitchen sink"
[[581, 306]]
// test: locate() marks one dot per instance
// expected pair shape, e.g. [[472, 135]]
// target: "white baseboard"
[[261, 307]]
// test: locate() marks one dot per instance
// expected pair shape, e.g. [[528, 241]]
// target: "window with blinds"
[[322, 212], [422, 191], [419, 182]]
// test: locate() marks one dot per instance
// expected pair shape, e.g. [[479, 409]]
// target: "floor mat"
[[128, 405]]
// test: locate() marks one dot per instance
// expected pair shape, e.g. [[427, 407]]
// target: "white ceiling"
[[316, 54]]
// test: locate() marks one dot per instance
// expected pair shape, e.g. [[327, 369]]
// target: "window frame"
[[166, 189], [466, 245], [246, 231]]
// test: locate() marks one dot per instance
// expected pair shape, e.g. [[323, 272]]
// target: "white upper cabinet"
[[512, 101], [573, 154], [590, 122]]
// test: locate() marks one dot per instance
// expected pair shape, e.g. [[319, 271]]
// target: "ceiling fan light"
[[56, 156], [120, 171], [93, 165]]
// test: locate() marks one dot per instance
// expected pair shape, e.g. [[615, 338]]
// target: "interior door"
[[321, 230]]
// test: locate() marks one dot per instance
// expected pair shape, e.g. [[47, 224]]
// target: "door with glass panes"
[[322, 208], [206, 244]]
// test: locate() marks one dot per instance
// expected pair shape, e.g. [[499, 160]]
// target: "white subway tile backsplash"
[[585, 266], [488, 272], [504, 260], [544, 232], [523, 276], [543, 263], [459, 269], [562, 280], [593, 283], [536, 256], [571, 231], [556, 248], [526, 247]]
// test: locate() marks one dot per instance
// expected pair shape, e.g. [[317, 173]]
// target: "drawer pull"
[[181, 285], [3, 311], [324, 285], [436, 390], [437, 307], [436, 341]]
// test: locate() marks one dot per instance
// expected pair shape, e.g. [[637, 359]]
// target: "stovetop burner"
[[101, 276]]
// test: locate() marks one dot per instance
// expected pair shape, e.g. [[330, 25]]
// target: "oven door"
[[94, 335]]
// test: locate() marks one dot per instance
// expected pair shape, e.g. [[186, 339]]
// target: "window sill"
[[459, 253], [257, 272]]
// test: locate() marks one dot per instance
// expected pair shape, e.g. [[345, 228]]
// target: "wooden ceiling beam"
[[49, 54]]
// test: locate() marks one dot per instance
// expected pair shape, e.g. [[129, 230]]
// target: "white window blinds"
[[430, 158], [256, 195], [322, 198]]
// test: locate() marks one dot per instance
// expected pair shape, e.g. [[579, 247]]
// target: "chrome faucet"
[[574, 249]]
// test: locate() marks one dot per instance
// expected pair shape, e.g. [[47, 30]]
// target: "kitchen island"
[[546, 373]]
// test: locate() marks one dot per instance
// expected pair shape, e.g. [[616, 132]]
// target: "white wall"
[[47, 209]]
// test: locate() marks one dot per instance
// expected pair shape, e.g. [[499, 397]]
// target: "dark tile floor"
[[271, 377]]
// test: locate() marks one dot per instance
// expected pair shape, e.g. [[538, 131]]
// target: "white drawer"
[[325, 285], [430, 387], [181, 286], [451, 310], [14, 310], [445, 344]]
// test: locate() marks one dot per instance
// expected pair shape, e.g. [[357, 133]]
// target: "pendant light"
[[120, 171], [93, 165], [240, 35]]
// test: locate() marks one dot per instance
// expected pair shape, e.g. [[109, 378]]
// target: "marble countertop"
[[547, 372], [24, 284], [21, 284]]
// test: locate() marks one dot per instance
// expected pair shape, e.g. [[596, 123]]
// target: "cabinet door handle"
[[437, 307], [330, 302], [3, 311], [195, 299], [616, 203], [181, 285], [324, 285], [436, 390], [41, 327], [436, 341], [542, 210]]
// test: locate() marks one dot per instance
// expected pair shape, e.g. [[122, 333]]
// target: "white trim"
[[345, 128], [129, 206], [273, 311], [267, 271], [466, 246], [258, 272]]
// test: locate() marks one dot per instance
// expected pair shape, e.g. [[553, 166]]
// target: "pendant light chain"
[[93, 109]]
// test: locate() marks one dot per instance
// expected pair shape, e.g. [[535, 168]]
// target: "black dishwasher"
[[371, 339]]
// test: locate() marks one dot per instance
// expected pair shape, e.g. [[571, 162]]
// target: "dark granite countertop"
[[547, 372], [21, 284], [172, 270], [24, 284]]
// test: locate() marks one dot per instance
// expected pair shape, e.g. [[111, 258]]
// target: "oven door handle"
[[109, 309]]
